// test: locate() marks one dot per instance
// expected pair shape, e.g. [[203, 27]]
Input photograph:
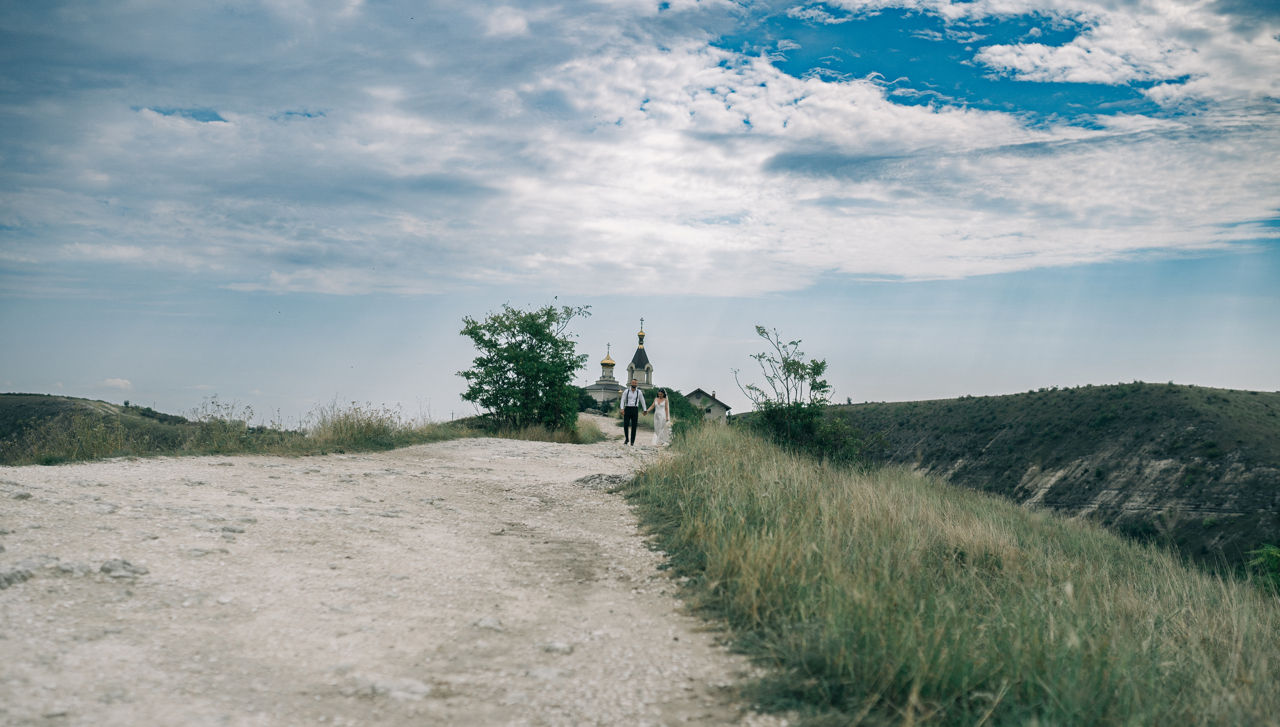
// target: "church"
[[607, 388]]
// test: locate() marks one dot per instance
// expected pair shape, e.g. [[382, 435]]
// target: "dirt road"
[[473, 582]]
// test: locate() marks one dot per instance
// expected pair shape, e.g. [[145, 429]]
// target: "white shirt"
[[632, 397]]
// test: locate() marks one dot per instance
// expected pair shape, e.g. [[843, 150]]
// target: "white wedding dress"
[[661, 426]]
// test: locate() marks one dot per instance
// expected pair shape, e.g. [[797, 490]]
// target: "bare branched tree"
[[791, 379]]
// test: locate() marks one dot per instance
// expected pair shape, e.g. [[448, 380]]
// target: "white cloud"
[[482, 155], [506, 21], [122, 384], [1077, 62], [816, 14]]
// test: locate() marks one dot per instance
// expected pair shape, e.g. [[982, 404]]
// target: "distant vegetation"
[[41, 429], [880, 596], [1193, 467], [45, 429]]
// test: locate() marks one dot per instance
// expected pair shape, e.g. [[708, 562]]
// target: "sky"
[[290, 203]]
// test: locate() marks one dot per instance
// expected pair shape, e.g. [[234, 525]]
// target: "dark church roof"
[[640, 360]]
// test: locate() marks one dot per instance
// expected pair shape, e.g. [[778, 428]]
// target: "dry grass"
[[883, 597], [587, 432], [221, 428]]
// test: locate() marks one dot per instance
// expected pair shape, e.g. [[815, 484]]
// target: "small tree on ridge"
[[523, 375], [791, 380], [791, 410]]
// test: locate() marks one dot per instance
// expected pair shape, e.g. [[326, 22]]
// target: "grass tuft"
[[587, 432], [884, 597]]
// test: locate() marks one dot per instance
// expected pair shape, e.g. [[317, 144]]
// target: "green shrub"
[[1265, 566]]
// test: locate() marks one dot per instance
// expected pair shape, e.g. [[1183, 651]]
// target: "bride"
[[661, 418]]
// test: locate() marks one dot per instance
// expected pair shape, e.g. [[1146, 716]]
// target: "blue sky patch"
[[196, 114], [923, 60], [290, 115]]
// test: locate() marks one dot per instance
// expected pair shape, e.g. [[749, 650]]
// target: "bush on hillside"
[[524, 371], [1265, 566], [792, 412]]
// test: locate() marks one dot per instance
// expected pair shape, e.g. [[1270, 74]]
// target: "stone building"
[[606, 388], [712, 408]]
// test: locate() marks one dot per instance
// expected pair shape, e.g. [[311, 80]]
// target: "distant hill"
[[21, 414], [1198, 468]]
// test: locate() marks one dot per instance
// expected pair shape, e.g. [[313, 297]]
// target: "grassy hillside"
[[21, 412], [887, 597], [44, 429], [1197, 467]]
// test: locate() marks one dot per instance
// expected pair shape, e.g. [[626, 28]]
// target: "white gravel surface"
[[472, 582]]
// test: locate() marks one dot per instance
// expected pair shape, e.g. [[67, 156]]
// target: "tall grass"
[[586, 432], [887, 598], [218, 427], [221, 428], [367, 427]]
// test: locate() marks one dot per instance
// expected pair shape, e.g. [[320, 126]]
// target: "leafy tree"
[[523, 375]]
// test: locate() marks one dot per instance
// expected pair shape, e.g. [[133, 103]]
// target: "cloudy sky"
[[289, 202]]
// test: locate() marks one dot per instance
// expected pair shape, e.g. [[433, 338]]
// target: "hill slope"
[[91, 427], [1195, 466], [22, 412]]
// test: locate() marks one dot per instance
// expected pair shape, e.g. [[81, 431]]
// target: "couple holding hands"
[[632, 402]]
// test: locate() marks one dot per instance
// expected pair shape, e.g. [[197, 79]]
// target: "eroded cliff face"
[[1194, 468], [1210, 511]]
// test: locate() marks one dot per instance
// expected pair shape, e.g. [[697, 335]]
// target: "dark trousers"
[[630, 420]]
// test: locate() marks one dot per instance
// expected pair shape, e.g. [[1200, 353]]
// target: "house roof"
[[705, 395]]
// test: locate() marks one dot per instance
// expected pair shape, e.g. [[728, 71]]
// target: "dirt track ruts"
[[471, 582]]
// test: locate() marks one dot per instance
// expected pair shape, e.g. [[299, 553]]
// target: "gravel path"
[[472, 582]]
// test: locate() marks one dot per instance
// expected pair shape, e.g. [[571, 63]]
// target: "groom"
[[632, 402]]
